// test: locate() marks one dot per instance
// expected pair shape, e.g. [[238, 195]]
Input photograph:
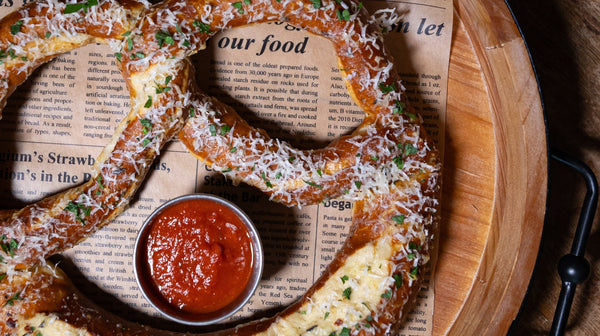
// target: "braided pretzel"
[[388, 166]]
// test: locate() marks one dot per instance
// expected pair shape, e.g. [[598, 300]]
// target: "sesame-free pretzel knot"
[[388, 166]]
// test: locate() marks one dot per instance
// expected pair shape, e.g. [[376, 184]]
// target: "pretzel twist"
[[387, 165]]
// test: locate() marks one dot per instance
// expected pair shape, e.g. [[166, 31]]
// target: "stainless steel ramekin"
[[160, 304]]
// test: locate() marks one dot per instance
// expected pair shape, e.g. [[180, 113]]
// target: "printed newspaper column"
[[420, 43], [279, 78], [43, 108], [106, 97], [42, 126]]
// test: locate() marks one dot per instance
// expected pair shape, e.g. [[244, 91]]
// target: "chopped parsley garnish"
[[225, 129], [409, 149], [414, 246], [387, 88], [278, 176], [344, 279], [99, 181], [15, 28], [72, 8], [264, 177], [119, 56], [387, 294], [202, 27], [11, 301], [319, 172], [129, 42], [414, 272], [146, 141], [343, 15], [398, 219], [347, 292], [147, 125], [397, 280], [163, 37], [238, 6], [213, 129], [192, 112], [138, 54], [313, 184], [358, 184], [163, 89], [148, 102], [72, 207], [9, 248], [345, 332], [232, 150], [399, 162], [79, 210], [410, 256], [2, 276], [400, 106], [326, 315], [47, 35], [316, 4]]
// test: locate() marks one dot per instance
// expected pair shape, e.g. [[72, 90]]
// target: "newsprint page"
[[279, 78]]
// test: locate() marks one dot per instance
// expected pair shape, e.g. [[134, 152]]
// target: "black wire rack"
[[573, 268]]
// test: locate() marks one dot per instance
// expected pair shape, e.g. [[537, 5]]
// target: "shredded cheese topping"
[[387, 166]]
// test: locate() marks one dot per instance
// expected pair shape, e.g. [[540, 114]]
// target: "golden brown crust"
[[388, 165], [42, 32]]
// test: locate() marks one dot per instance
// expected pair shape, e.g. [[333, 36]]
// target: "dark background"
[[563, 37]]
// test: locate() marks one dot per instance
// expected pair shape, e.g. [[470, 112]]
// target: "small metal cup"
[[159, 303]]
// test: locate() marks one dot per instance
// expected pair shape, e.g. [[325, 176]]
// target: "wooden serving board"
[[495, 175]]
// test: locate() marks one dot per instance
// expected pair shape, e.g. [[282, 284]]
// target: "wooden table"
[[564, 39]]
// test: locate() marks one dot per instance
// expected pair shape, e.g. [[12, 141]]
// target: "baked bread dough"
[[387, 166]]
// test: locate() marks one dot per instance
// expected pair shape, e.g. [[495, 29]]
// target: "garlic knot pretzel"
[[388, 165]]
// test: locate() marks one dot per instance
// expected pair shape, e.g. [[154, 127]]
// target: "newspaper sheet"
[[279, 78]]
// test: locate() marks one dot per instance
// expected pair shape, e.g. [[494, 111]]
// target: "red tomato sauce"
[[199, 255]]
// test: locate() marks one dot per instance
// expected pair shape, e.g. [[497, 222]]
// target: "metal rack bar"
[[573, 268]]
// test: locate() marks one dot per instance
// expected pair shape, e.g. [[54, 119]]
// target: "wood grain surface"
[[564, 39], [495, 175]]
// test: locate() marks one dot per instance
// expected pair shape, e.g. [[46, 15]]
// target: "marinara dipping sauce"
[[198, 259]]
